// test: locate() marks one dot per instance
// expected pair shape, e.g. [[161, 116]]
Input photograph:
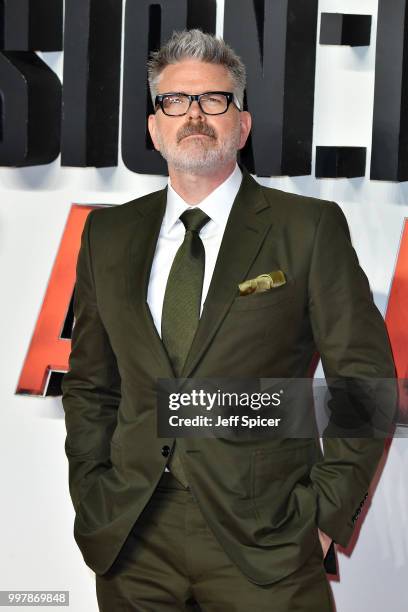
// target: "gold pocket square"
[[263, 282]]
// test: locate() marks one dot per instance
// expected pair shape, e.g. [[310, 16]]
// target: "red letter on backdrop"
[[48, 351], [397, 321]]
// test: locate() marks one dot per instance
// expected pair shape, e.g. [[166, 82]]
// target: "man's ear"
[[151, 124], [246, 123]]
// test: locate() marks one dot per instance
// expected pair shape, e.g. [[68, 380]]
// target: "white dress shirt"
[[217, 205]]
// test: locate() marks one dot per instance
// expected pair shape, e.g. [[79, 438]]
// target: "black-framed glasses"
[[176, 104]]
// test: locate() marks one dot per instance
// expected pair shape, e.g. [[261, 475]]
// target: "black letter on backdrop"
[[389, 157], [279, 51], [345, 29], [90, 123], [340, 162], [30, 93], [150, 23]]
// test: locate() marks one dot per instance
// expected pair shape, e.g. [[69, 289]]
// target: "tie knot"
[[194, 220]]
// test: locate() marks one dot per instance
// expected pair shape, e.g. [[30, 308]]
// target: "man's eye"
[[173, 100], [213, 100]]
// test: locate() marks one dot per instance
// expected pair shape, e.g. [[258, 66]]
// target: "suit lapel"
[[248, 223], [143, 245]]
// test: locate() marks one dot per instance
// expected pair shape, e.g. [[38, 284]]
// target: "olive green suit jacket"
[[262, 498]]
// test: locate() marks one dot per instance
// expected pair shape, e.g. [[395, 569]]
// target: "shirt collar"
[[217, 205]]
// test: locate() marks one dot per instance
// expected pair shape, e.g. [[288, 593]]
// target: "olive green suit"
[[262, 499]]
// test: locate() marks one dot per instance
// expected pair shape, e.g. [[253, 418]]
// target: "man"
[[212, 524]]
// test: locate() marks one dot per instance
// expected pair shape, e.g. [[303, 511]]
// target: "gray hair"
[[195, 44]]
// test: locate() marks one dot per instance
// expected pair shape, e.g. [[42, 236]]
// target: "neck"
[[193, 188]]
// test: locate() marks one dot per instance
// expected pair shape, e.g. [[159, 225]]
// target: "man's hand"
[[325, 541]]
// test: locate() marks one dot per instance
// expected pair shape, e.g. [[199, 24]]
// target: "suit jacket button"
[[165, 450]]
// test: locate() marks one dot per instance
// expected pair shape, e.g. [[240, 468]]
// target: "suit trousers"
[[172, 561]]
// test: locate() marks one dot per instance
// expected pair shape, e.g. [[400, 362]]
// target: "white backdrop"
[[36, 517]]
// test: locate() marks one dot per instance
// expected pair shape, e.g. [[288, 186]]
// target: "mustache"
[[190, 130]]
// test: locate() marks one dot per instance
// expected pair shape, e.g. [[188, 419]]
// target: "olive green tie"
[[182, 303]]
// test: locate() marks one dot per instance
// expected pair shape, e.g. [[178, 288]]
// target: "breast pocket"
[[265, 299]]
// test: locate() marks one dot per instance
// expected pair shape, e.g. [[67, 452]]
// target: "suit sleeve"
[[91, 388], [352, 340]]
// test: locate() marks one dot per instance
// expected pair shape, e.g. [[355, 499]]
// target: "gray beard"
[[202, 161]]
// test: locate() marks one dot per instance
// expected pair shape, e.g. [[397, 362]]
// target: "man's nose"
[[195, 111]]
